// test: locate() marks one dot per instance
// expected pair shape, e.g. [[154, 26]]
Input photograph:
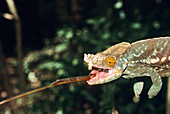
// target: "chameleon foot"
[[154, 90], [138, 87]]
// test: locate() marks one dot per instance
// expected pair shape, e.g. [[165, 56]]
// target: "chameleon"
[[149, 57]]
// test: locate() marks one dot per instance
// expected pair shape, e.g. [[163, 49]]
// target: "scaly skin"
[[149, 57]]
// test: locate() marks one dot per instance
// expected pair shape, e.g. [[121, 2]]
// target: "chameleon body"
[[150, 57]]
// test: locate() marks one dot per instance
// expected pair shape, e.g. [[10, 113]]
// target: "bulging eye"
[[110, 61]]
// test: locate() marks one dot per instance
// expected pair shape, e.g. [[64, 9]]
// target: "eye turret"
[[110, 61]]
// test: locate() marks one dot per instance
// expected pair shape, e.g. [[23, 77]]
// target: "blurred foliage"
[[102, 24]]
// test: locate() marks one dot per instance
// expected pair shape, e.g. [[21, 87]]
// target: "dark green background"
[[63, 30]]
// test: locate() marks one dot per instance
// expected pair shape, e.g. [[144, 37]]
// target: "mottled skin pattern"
[[99, 61], [150, 57]]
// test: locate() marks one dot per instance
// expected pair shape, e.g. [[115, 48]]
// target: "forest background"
[[55, 36]]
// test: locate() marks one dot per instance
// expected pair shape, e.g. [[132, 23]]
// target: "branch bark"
[[13, 10]]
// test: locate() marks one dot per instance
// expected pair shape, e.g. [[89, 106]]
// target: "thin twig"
[[57, 82]]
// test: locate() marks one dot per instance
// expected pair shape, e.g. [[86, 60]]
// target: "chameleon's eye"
[[110, 61]]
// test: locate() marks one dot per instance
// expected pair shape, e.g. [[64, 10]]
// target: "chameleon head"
[[105, 65], [102, 67]]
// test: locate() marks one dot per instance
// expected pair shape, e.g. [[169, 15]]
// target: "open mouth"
[[100, 69], [100, 74]]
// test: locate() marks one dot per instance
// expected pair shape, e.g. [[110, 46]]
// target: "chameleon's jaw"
[[104, 76]]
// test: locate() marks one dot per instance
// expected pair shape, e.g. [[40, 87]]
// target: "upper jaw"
[[97, 61], [94, 60], [91, 66]]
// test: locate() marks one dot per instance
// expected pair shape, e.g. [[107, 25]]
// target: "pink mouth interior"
[[99, 74]]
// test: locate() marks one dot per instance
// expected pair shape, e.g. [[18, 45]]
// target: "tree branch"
[[13, 11]]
